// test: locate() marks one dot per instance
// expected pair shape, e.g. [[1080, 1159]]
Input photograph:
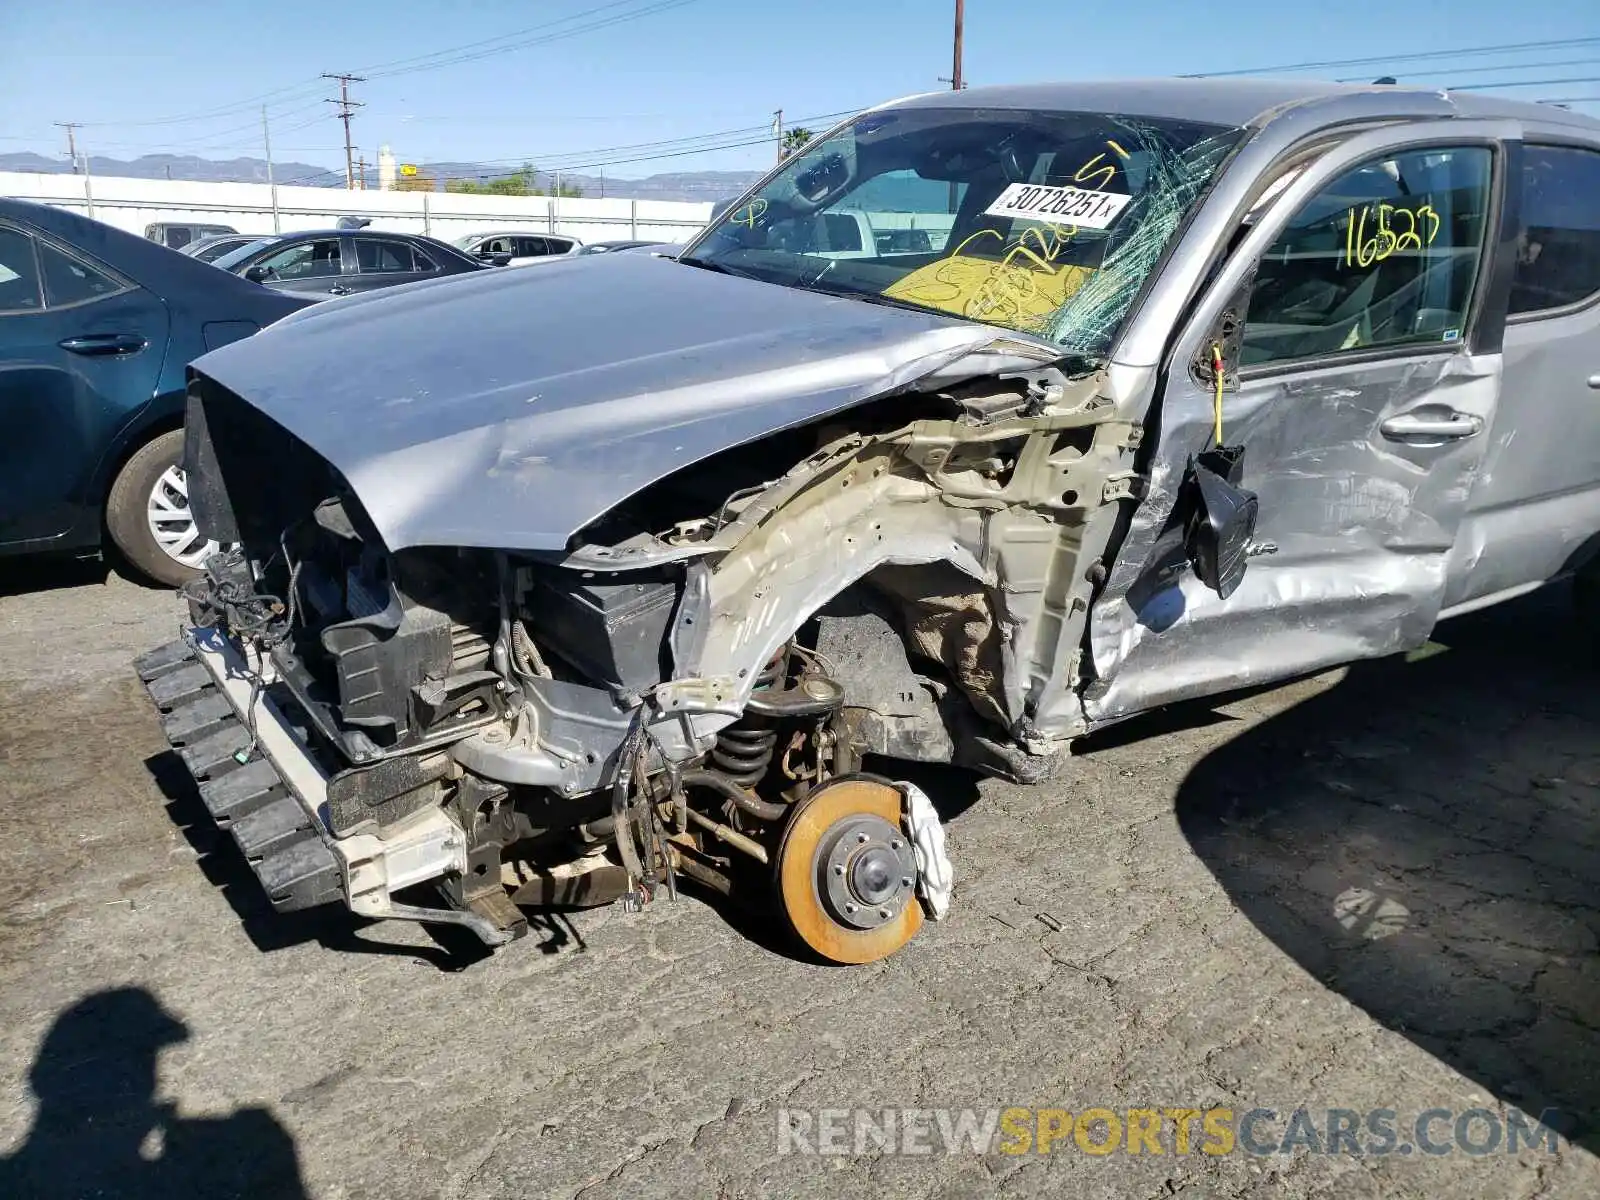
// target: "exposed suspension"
[[745, 749]]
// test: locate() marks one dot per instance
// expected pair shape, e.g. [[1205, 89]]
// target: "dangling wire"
[[262, 642], [621, 801], [1216, 402]]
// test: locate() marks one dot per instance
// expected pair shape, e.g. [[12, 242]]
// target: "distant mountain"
[[677, 185], [171, 166]]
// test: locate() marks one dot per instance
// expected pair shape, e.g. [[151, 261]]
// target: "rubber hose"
[[741, 799]]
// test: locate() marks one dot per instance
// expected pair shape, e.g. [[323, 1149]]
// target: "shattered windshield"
[[1043, 222]]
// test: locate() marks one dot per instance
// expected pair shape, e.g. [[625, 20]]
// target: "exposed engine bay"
[[692, 689]]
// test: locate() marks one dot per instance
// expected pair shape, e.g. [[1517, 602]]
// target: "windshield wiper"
[[869, 297], [706, 264]]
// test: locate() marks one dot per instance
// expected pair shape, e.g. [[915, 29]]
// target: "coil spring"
[[744, 752], [745, 749]]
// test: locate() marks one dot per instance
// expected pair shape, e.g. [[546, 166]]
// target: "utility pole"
[[777, 131], [347, 107], [955, 70], [72, 142], [361, 173], [272, 184]]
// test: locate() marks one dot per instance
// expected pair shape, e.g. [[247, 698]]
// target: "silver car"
[[1150, 391], [517, 248]]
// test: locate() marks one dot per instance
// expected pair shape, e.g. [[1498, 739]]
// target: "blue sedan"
[[97, 327]]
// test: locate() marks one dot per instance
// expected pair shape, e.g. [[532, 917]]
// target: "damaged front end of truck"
[[564, 616]]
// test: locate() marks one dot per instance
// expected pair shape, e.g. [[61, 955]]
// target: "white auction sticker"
[[1059, 205]]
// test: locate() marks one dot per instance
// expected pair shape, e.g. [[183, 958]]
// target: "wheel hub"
[[846, 872], [865, 871]]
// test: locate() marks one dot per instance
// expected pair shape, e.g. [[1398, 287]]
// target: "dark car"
[[340, 262], [96, 328], [209, 249]]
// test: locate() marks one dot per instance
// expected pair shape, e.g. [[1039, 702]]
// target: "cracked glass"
[[1047, 223]]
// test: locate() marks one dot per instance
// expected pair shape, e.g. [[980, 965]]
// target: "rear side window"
[[70, 281], [19, 277], [382, 257], [1558, 260], [1385, 255], [533, 247], [178, 236]]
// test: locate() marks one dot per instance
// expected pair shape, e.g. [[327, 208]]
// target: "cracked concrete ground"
[[1372, 889]]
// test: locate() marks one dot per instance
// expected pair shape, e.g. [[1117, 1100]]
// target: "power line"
[[579, 160], [1386, 59], [347, 108], [1489, 70], [227, 110], [1516, 83], [674, 142], [401, 63], [466, 52], [437, 61]]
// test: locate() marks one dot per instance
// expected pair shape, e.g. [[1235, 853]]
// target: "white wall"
[[132, 204]]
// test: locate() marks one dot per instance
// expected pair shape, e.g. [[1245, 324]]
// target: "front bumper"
[[272, 797]]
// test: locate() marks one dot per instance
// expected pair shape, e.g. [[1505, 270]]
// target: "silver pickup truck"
[[561, 587]]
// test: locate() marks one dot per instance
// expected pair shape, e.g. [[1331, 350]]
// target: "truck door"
[[1362, 393]]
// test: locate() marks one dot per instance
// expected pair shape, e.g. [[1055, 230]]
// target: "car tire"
[[143, 487]]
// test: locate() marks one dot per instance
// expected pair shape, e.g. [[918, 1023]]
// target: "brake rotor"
[[846, 872]]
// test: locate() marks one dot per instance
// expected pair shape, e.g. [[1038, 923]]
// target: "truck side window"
[[1558, 260], [1387, 254]]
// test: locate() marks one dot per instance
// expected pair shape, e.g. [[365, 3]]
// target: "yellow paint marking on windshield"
[[1088, 173], [1021, 289], [1362, 251], [749, 214], [1025, 286]]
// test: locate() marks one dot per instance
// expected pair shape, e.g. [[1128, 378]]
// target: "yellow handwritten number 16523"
[[1363, 251]]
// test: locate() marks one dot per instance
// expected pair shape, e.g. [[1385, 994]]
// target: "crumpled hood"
[[509, 408]]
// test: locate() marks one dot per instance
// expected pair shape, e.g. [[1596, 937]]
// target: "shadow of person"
[[1424, 839], [101, 1132]]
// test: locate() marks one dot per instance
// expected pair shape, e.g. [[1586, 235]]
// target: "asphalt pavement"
[[1375, 891]]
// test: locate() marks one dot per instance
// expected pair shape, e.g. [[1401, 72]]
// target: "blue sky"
[[184, 76]]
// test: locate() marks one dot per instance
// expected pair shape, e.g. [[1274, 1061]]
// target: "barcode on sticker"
[[1058, 205]]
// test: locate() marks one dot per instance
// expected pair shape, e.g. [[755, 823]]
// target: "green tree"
[[518, 183], [522, 182], [794, 140]]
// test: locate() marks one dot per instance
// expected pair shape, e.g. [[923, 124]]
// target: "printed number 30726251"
[[1421, 227], [1059, 205]]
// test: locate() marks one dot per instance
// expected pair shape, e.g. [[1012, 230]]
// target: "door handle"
[[1594, 381], [1445, 426], [338, 289], [95, 344]]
